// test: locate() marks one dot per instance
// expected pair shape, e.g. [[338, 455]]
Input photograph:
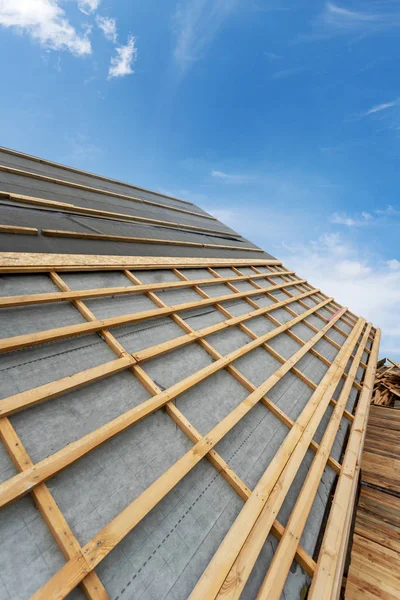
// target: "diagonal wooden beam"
[[302, 557], [289, 456], [247, 384], [99, 547], [275, 578], [51, 335], [52, 515], [51, 297], [21, 484], [53, 389]]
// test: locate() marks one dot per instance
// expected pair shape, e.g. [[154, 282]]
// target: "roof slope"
[[180, 417], [89, 214]]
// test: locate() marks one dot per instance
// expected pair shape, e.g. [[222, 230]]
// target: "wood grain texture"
[[32, 262], [18, 230]]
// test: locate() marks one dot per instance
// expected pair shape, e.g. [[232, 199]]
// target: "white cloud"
[[364, 18], [88, 6], [46, 23], [196, 24], [344, 219], [122, 64], [342, 17], [108, 27], [393, 264], [231, 177], [380, 107], [369, 288]]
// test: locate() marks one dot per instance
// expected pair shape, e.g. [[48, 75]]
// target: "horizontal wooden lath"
[[142, 240], [229, 569], [87, 188], [51, 163], [8, 301], [18, 230], [19, 262], [123, 217]]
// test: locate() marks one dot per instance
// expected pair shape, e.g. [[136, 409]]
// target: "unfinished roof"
[[186, 419]]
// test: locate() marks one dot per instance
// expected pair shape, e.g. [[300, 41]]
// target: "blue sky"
[[280, 117]]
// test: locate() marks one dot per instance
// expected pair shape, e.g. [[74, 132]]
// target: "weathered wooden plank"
[[327, 580]]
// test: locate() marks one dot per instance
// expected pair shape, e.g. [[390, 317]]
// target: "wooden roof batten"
[[81, 565], [261, 289]]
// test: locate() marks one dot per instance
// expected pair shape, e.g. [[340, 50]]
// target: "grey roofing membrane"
[[166, 553], [25, 215]]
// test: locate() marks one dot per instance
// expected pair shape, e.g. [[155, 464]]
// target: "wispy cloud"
[[108, 27], [343, 219], [361, 20], [380, 108], [122, 63], [231, 177], [46, 23], [196, 24], [376, 216], [88, 6], [285, 73], [370, 288]]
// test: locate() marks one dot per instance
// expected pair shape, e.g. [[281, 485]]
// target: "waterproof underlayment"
[[183, 439]]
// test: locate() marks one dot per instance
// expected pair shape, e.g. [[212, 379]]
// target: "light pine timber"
[[218, 569], [70, 575], [115, 216], [232, 370], [242, 567], [273, 352], [52, 515], [216, 460], [51, 335], [295, 283], [80, 186], [142, 240], [327, 580], [34, 262], [274, 581], [53, 389], [18, 230], [30, 299], [22, 483], [302, 557]]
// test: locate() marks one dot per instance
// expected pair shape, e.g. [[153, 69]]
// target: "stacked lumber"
[[387, 384]]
